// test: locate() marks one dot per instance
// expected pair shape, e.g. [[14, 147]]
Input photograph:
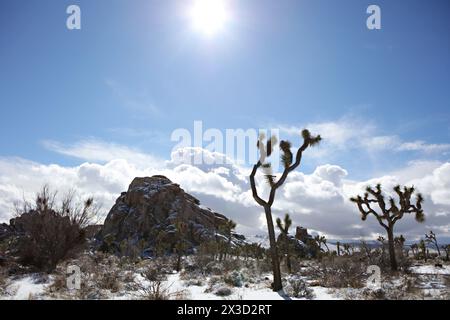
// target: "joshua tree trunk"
[[178, 268], [391, 243], [273, 250]]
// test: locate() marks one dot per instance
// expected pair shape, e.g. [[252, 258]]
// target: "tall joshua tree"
[[290, 164], [284, 229], [389, 211]]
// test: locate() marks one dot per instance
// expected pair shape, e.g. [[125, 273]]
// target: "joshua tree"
[[321, 240], [180, 244], [431, 238], [389, 212], [423, 249], [284, 229], [227, 229], [348, 249], [290, 164]]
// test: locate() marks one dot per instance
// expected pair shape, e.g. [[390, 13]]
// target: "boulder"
[[147, 214]]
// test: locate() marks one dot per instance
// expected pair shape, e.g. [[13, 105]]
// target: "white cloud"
[[100, 151], [318, 201], [350, 133]]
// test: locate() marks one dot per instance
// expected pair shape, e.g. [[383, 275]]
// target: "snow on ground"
[[251, 293], [430, 269], [25, 288]]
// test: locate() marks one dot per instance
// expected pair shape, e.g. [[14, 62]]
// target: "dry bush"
[[158, 290], [339, 272], [298, 288], [46, 234]]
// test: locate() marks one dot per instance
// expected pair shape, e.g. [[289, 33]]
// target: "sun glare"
[[209, 16]]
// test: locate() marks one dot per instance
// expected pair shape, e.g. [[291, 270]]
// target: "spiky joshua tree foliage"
[[290, 164], [390, 211]]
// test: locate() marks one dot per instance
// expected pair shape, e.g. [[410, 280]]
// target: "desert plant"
[[181, 244], [227, 229], [265, 150], [431, 238], [338, 248], [48, 234], [339, 272], [389, 212], [299, 288], [321, 240], [284, 229], [447, 251]]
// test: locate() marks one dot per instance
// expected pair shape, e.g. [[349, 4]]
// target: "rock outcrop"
[[302, 244], [148, 213]]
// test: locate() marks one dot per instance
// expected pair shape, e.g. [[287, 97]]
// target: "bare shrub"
[[46, 234], [298, 288], [157, 290], [339, 272]]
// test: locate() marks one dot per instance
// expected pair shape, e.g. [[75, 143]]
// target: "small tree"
[[230, 226], [284, 229], [321, 240], [390, 212], [431, 238], [423, 249], [290, 164], [181, 244], [48, 234]]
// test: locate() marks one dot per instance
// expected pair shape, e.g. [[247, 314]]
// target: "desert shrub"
[[235, 279], [109, 281], [298, 288], [46, 234], [339, 272], [153, 274], [157, 290]]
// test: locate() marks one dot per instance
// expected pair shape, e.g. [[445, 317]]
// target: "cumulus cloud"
[[318, 201]]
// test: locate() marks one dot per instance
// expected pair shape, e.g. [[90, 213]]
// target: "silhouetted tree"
[[431, 238], [390, 212], [290, 164], [321, 240], [284, 229]]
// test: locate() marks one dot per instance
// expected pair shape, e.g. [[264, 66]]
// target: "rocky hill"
[[148, 213]]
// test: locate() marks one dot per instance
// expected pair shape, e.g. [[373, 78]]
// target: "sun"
[[209, 16]]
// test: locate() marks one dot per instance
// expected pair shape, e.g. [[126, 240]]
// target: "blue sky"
[[136, 71], [91, 109]]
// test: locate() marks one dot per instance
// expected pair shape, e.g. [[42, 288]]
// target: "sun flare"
[[209, 16]]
